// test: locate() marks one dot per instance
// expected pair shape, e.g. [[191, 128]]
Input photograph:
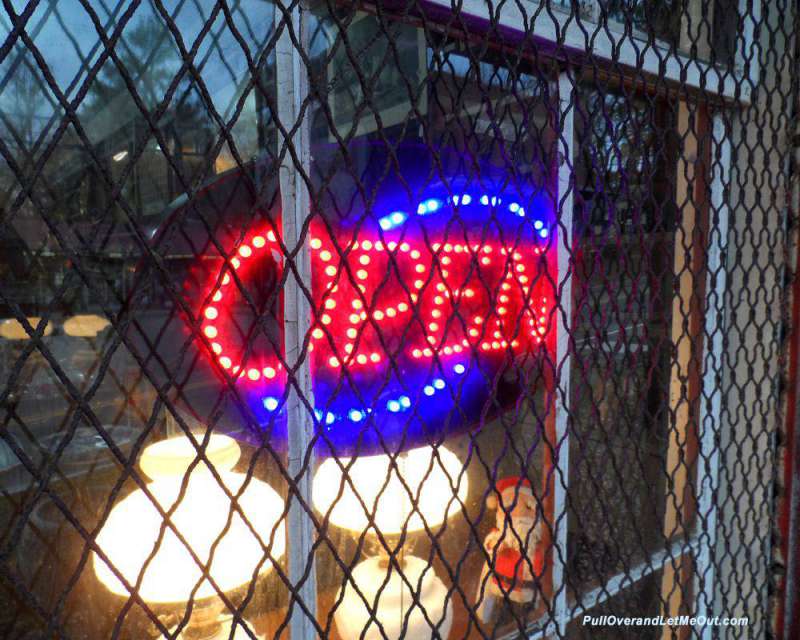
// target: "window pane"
[[706, 31], [622, 308], [640, 600], [103, 228], [435, 184]]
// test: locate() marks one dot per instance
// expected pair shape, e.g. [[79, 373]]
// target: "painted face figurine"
[[513, 546]]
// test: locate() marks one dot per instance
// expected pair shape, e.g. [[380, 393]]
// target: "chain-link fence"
[[394, 320]]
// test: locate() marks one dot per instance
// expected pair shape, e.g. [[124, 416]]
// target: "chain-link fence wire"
[[490, 296]]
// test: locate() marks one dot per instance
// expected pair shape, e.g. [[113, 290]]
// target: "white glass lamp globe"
[[132, 529], [395, 605], [433, 488], [437, 482]]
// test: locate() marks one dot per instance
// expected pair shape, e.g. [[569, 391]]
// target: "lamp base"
[[220, 631]]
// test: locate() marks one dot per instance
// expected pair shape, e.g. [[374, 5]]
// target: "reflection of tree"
[[145, 52], [117, 124], [22, 104]]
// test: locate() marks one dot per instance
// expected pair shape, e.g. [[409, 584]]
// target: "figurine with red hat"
[[514, 547]]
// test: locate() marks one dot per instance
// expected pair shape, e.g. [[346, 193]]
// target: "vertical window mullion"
[[293, 133], [709, 419], [566, 107]]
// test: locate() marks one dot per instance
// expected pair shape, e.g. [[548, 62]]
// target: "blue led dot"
[[428, 206], [521, 212], [330, 418], [543, 233], [428, 390], [513, 207], [393, 406], [405, 401], [537, 224], [466, 199], [392, 220], [270, 403], [484, 199], [355, 415], [494, 201], [438, 383], [459, 368], [318, 413], [455, 199]]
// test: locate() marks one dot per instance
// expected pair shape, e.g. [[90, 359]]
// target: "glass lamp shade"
[[436, 481], [132, 529], [385, 590], [85, 325]]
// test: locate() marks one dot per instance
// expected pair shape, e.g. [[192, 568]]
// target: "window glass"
[[441, 155], [706, 31], [640, 600], [622, 302], [103, 210]]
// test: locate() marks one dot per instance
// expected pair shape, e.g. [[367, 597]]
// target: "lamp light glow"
[[386, 590], [435, 480], [132, 529]]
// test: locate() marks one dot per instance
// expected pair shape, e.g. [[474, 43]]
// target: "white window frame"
[[521, 19]]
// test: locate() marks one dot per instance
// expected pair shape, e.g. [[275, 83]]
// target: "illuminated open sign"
[[415, 320]]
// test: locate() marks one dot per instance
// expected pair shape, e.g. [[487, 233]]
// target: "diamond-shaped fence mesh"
[[393, 320]]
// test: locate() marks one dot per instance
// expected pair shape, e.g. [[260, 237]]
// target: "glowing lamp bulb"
[[131, 533]]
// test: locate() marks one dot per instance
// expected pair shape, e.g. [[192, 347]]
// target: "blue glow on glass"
[[270, 403]]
